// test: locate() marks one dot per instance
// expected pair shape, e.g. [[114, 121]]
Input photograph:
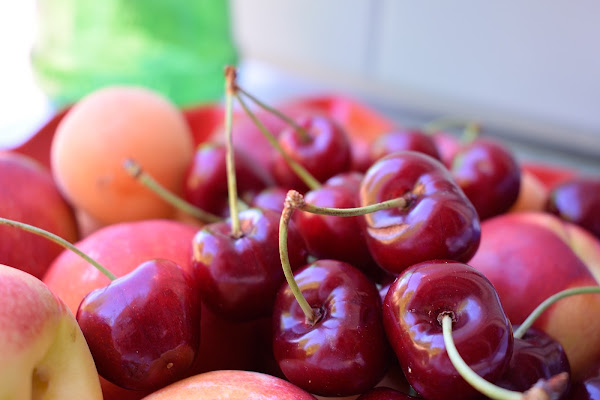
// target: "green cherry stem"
[[58, 240], [136, 171], [230, 76], [543, 390], [301, 131], [548, 302], [302, 173]]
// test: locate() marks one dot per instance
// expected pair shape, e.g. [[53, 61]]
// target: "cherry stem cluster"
[[58, 240], [136, 171], [294, 200], [543, 390]]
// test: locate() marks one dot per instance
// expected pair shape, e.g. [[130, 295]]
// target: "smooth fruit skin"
[[206, 178], [345, 352], [535, 356], [481, 331], [587, 388], [239, 277], [578, 201], [28, 194], [231, 385], [325, 153], [143, 329], [489, 174], [44, 353], [385, 393], [530, 256], [339, 238], [438, 223], [403, 139]]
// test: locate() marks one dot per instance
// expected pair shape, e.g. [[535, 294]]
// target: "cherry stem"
[[58, 240], [290, 204], [542, 390], [230, 77], [136, 171], [300, 130], [548, 302], [300, 171]]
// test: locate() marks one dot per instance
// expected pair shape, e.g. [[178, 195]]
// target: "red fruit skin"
[[325, 153], [438, 223], [588, 388], [400, 140], [271, 198], [345, 352], [206, 178], [385, 393], [481, 331], [577, 200], [333, 237], [489, 175], [239, 277], [28, 194], [143, 329]]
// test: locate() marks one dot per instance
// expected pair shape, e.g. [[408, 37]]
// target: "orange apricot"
[[105, 129]]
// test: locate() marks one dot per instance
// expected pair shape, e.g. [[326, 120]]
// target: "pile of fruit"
[[312, 250]]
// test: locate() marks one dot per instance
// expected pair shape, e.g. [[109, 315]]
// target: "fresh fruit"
[[343, 350], [28, 194], [577, 200], [143, 329], [412, 312], [44, 353], [108, 127], [401, 140], [231, 385], [437, 221], [489, 174], [530, 256], [385, 393]]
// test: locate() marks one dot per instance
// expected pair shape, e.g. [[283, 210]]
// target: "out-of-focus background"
[[529, 71]]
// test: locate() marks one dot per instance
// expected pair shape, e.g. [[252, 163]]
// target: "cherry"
[[412, 312], [489, 175], [319, 144], [239, 274], [206, 179], [535, 356], [343, 351], [588, 388], [271, 198], [385, 393], [436, 221], [406, 139], [577, 200], [143, 329], [329, 236]]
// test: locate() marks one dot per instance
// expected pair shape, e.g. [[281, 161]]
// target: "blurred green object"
[[176, 47]]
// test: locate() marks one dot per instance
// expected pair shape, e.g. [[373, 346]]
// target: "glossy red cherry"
[[385, 393], [345, 352], [535, 356], [438, 221], [578, 201], [206, 178], [271, 198], [339, 238], [412, 313], [143, 329], [404, 139], [489, 174], [240, 276], [323, 149]]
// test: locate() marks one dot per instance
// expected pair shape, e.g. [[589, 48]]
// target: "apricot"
[[106, 128]]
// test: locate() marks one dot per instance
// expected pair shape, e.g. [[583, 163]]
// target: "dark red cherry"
[[206, 178], [578, 201], [589, 387], [535, 356], [412, 313], [345, 352], [240, 276], [143, 329], [324, 151], [339, 238], [404, 139], [489, 174], [271, 198], [438, 222], [447, 144], [385, 393]]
